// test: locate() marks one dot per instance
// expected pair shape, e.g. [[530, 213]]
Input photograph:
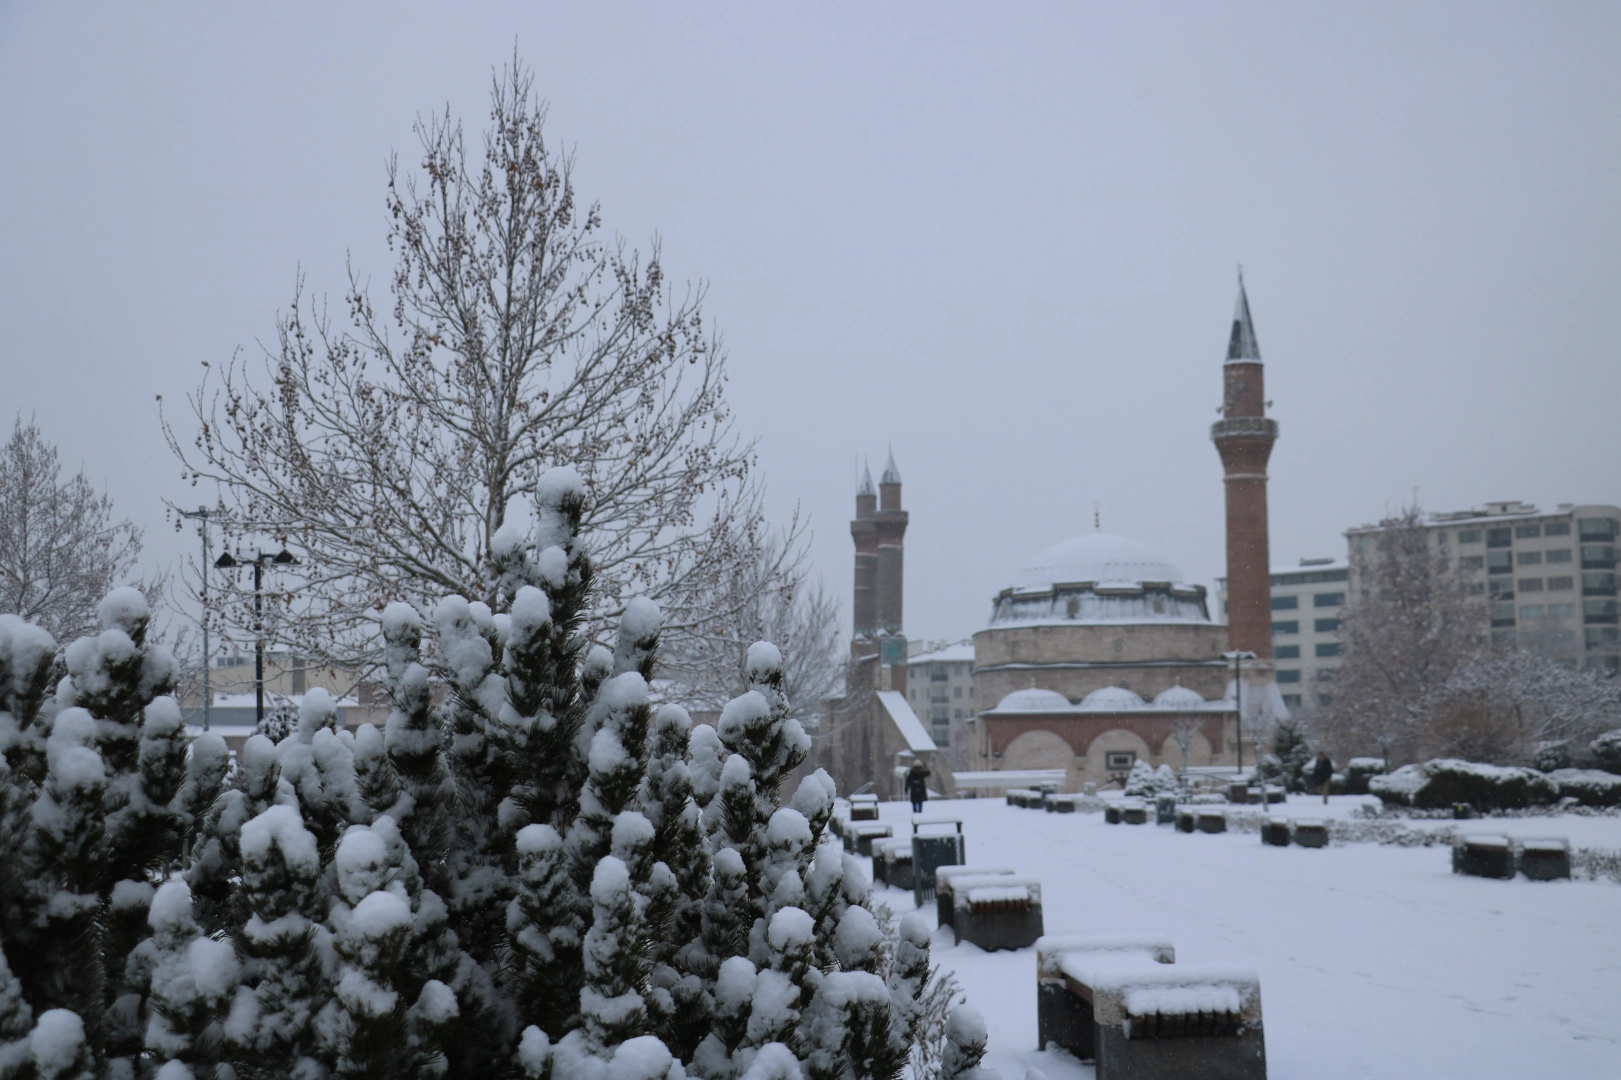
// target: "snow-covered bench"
[[1062, 804], [1133, 812], [892, 862], [1484, 855], [1063, 1015], [1025, 797], [863, 808], [1185, 819], [859, 835], [1545, 858], [1311, 833], [945, 903], [1210, 821], [996, 911], [1153, 1019], [1275, 832]]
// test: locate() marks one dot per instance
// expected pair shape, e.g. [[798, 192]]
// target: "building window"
[[1288, 676], [1471, 562], [1502, 614], [1530, 584], [1561, 611], [1599, 584], [956, 691], [1328, 599], [1528, 558], [1503, 537], [1327, 674], [1598, 556], [1468, 536], [1561, 555], [1599, 637], [1598, 611], [1292, 700], [942, 735], [1288, 626], [1499, 562], [1523, 531], [1556, 528], [1598, 528], [1559, 583], [1285, 603], [956, 714], [1287, 652], [1328, 626], [1530, 611], [1328, 648]]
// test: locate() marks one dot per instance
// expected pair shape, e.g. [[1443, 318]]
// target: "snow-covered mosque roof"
[[1099, 577], [1034, 700], [1109, 699], [1097, 557]]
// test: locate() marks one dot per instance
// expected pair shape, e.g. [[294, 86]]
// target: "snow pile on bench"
[[1181, 1000], [1172, 989], [999, 894], [994, 888], [1051, 951]]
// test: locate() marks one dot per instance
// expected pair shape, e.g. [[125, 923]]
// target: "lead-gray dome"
[[1033, 699], [1096, 557]]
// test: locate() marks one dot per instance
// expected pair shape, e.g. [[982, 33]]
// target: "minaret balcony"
[[1234, 427]]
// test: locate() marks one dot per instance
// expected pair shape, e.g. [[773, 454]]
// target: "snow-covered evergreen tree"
[[188, 978]]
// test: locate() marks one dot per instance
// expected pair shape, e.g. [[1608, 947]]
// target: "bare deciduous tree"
[[1182, 733], [1505, 706], [387, 451], [60, 549], [1409, 627]]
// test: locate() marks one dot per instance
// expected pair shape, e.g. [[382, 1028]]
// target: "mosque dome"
[[1112, 699], [1097, 557], [1033, 700], [1178, 697]]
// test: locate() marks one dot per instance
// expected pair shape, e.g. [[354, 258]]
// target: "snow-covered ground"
[[1375, 961]]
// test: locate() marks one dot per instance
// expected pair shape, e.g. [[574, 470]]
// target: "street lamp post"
[[1236, 656], [281, 558], [201, 515]]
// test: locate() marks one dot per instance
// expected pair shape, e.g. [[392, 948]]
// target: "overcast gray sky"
[[1001, 236]]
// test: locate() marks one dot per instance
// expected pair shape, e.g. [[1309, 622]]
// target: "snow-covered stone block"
[[945, 899], [1133, 812], [1275, 832], [1311, 833], [996, 911], [860, 835], [1545, 858], [1484, 855], [1063, 1012], [1211, 821]]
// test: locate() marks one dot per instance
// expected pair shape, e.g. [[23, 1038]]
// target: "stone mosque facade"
[[1098, 654]]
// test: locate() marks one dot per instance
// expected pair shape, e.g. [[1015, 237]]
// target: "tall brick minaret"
[[864, 531], [1244, 437], [891, 521], [879, 532]]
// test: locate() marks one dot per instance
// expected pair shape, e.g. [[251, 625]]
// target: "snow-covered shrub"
[[1590, 787], [547, 874], [1359, 773], [1146, 782], [1606, 750], [1448, 781]]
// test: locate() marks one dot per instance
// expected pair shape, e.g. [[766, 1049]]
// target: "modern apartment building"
[[940, 689], [1306, 604], [1548, 579]]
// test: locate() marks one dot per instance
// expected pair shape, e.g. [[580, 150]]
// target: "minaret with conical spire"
[[864, 531], [1244, 437], [891, 521]]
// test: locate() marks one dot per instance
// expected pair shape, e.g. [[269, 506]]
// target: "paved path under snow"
[[1375, 961]]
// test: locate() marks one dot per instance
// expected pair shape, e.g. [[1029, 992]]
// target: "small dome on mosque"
[[1112, 699], [1033, 700], [1178, 697]]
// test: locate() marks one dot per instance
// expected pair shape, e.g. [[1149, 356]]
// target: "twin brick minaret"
[[1244, 437], [879, 531]]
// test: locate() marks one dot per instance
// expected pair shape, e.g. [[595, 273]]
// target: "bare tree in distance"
[[1409, 627], [1182, 733], [1506, 707], [386, 449], [61, 550]]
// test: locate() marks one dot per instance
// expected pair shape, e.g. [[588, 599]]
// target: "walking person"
[[917, 788], [1322, 774]]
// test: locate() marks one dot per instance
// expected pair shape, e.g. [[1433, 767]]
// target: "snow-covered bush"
[[1359, 773], [547, 875], [1448, 781], [1590, 787], [1146, 782], [1606, 750]]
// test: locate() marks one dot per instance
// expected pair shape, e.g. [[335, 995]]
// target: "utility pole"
[[201, 515], [281, 558]]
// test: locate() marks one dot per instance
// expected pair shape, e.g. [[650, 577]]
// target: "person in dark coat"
[[1322, 773], [917, 786]]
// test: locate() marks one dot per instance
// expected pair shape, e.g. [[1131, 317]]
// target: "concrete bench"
[[1545, 858], [1111, 813], [1133, 812], [1154, 1020], [1063, 1013], [945, 902], [863, 808], [860, 835], [1483, 855], [1062, 804], [1275, 832], [1311, 833], [1185, 820], [996, 911], [892, 862], [1211, 821]]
